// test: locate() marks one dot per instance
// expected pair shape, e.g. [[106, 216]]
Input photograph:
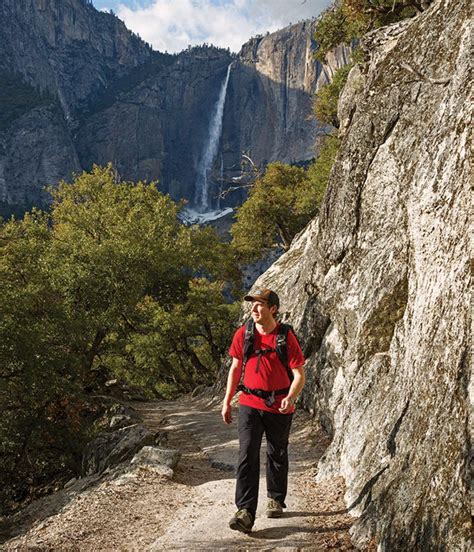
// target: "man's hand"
[[296, 386], [227, 413], [286, 405], [232, 382]]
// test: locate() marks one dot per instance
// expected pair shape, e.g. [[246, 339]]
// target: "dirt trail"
[[191, 512]]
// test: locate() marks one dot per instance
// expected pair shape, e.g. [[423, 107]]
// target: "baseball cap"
[[266, 295]]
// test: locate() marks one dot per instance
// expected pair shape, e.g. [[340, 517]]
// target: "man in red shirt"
[[263, 372]]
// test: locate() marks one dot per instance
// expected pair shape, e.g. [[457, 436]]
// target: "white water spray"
[[221, 180], [201, 199]]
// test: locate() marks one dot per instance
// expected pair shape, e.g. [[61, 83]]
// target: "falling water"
[[201, 199], [221, 180]]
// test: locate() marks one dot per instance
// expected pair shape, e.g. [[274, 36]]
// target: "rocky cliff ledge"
[[378, 288], [269, 111]]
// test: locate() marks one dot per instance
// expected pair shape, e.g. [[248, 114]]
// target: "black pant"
[[252, 424]]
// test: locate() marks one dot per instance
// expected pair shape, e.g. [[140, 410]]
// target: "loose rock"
[[156, 456]]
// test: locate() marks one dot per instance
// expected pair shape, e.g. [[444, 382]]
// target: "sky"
[[172, 25]]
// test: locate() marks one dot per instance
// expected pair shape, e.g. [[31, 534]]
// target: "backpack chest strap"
[[261, 352]]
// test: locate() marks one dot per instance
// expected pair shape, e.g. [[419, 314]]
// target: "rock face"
[[65, 50], [378, 288], [157, 129], [35, 150], [67, 47], [109, 449], [98, 93], [270, 97]]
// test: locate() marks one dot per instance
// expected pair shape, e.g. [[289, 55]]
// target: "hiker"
[[267, 367]]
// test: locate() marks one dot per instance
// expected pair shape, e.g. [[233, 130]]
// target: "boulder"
[[119, 421], [157, 456], [109, 449], [116, 416], [161, 437], [161, 470]]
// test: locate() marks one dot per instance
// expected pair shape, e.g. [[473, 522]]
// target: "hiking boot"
[[242, 521], [274, 508]]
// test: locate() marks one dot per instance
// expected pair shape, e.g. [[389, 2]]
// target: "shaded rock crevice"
[[391, 441]]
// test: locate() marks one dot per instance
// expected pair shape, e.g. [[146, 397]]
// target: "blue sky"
[[171, 25]]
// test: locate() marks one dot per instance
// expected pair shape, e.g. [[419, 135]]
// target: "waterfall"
[[221, 180], [201, 199]]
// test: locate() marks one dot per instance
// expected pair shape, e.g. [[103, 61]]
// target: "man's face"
[[262, 313]]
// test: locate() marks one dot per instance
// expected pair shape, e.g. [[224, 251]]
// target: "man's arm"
[[232, 382], [296, 386]]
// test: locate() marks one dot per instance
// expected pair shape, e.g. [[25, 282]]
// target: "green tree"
[[336, 27], [118, 243], [279, 205], [178, 346], [108, 270], [320, 170], [371, 14], [38, 376], [345, 21], [326, 98]]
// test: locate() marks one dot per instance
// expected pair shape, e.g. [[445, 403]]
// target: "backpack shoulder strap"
[[282, 346], [249, 338]]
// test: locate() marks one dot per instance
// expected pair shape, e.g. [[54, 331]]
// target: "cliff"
[[158, 128], [275, 82], [66, 47], [98, 93], [59, 54], [378, 288]]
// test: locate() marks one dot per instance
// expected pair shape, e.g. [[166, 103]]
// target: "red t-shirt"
[[271, 374]]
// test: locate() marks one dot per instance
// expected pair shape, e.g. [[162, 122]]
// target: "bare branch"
[[250, 160], [227, 191], [250, 172]]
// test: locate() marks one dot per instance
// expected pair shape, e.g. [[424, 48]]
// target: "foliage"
[[319, 171], [376, 13], [335, 27], [109, 278], [279, 205], [183, 344], [269, 216], [326, 98], [347, 20], [36, 372]]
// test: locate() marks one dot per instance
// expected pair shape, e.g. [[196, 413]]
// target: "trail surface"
[[143, 511]]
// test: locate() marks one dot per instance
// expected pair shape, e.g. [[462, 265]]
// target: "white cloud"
[[174, 24]]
